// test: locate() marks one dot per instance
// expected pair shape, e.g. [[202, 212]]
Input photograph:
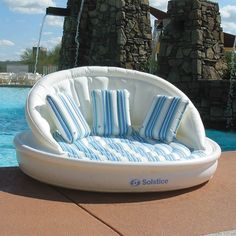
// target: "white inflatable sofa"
[[114, 130]]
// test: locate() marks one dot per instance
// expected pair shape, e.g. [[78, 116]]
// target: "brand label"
[[138, 182]]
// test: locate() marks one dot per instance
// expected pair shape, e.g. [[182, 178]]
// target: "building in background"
[[42, 51], [17, 68]]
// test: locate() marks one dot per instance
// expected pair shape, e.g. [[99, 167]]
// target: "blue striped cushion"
[[132, 148], [111, 114], [163, 118], [67, 117]]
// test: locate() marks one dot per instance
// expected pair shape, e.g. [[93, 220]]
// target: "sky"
[[20, 22]]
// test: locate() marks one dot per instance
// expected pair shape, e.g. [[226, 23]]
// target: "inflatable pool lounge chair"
[[110, 129]]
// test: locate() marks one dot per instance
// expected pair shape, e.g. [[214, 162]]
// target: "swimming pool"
[[226, 140], [12, 121]]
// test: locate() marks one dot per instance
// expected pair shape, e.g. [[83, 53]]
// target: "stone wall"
[[112, 33], [211, 98], [192, 43], [192, 58], [135, 34], [67, 53], [106, 34]]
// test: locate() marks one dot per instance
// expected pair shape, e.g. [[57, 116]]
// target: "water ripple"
[[12, 121]]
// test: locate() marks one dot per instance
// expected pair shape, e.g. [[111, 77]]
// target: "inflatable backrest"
[[79, 82]]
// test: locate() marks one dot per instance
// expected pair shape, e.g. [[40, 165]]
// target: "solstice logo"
[[138, 182], [135, 182]]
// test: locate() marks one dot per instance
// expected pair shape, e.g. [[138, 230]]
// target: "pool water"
[[12, 121], [227, 140]]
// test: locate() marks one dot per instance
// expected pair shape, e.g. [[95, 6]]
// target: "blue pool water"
[[12, 121], [227, 140]]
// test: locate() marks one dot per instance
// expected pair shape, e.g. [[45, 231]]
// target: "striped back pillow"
[[67, 117], [163, 118], [111, 115]]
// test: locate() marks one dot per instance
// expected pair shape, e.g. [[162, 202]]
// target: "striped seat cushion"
[[111, 115], [163, 118], [67, 117], [133, 148]]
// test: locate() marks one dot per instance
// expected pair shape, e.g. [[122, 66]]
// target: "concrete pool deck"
[[28, 207]]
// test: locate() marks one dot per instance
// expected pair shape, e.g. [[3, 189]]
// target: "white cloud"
[[228, 15], [229, 27], [54, 21], [160, 4], [29, 6], [50, 43], [20, 52], [228, 11], [6, 42]]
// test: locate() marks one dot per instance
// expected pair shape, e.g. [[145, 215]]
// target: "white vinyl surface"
[[40, 156]]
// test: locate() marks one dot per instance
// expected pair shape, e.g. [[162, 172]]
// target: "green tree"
[[53, 55], [27, 56], [44, 58], [228, 59]]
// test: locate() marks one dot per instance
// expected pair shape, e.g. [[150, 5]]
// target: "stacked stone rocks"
[[112, 33], [68, 49], [135, 34], [192, 43], [211, 98], [191, 57]]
